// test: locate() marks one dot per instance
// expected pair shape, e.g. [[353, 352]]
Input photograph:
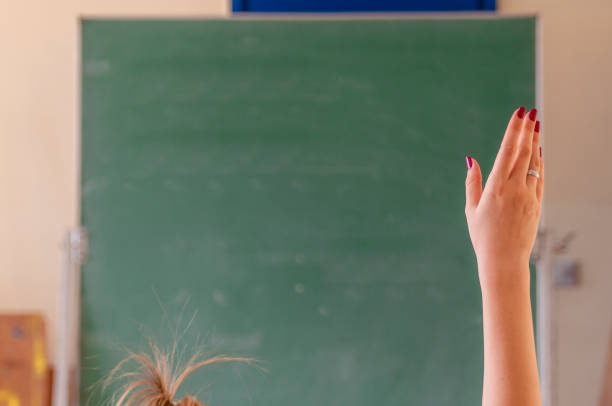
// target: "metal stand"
[[74, 254]]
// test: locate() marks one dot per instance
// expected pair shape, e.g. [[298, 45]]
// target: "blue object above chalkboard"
[[296, 6]]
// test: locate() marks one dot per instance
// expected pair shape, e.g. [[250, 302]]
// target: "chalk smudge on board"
[[219, 297], [96, 68]]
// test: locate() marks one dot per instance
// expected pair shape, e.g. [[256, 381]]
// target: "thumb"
[[473, 183]]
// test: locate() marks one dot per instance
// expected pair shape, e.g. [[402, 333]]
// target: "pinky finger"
[[540, 186]]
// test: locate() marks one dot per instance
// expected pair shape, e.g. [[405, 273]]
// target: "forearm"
[[510, 370]]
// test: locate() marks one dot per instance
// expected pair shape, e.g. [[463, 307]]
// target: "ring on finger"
[[534, 173]]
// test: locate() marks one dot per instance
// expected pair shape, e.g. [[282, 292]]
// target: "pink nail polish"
[[540, 152], [537, 126], [521, 112], [468, 161], [532, 114]]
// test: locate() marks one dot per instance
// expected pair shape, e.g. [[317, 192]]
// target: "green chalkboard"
[[299, 184]]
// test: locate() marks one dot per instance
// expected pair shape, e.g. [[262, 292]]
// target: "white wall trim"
[[544, 304]]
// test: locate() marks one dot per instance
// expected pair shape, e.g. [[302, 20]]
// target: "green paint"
[[303, 183]]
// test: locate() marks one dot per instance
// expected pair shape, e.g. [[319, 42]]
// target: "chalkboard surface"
[[301, 185]]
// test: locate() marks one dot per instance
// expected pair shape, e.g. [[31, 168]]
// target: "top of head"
[[189, 401]]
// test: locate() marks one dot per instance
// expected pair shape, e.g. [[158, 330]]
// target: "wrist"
[[504, 276]]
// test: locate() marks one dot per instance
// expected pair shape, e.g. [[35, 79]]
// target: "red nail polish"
[[521, 112], [532, 114], [537, 126], [540, 152], [468, 161]]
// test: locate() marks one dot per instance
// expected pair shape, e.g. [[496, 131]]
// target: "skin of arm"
[[502, 221]]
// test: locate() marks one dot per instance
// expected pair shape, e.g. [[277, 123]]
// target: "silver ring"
[[533, 173]]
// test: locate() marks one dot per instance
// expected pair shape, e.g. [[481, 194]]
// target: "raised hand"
[[503, 222], [503, 219]]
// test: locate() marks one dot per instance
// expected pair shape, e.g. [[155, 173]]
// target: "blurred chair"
[[24, 376]]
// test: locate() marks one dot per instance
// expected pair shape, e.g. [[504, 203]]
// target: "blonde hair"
[[157, 377]]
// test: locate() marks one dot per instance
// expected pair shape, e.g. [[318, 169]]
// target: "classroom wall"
[[577, 137], [38, 137], [39, 156]]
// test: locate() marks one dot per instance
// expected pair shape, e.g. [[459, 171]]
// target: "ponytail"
[[156, 378]]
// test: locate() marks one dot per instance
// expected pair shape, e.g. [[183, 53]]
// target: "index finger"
[[507, 151]]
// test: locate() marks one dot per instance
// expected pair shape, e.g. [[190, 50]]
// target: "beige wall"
[[39, 176], [38, 137], [577, 134]]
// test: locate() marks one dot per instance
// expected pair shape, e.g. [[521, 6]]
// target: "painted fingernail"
[[540, 152], [521, 112], [537, 126], [468, 161], [532, 114]]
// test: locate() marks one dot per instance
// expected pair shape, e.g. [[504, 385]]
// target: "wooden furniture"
[[24, 377]]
